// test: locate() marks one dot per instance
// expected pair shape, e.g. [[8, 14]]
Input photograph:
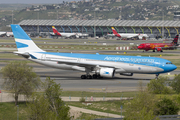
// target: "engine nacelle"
[[127, 74], [107, 72], [140, 37], [159, 49]]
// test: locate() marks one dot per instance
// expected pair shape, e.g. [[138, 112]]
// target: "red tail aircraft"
[[159, 47]]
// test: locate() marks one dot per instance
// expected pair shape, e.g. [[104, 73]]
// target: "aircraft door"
[[43, 56]]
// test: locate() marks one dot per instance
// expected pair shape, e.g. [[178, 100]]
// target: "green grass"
[[98, 94], [9, 111], [9, 56], [102, 106], [175, 61], [88, 116]]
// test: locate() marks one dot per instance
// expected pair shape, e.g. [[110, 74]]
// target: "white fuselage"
[[120, 67]]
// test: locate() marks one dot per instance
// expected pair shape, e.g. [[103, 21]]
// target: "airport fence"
[[162, 117], [78, 48]]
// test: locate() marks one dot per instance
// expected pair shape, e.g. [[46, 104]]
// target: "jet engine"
[[140, 37], [127, 74], [107, 72]]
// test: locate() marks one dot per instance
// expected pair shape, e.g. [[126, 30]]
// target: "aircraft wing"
[[80, 63]]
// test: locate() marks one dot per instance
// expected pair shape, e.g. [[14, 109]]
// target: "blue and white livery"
[[99, 65]]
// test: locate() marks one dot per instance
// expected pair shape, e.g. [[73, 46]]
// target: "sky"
[[33, 1]]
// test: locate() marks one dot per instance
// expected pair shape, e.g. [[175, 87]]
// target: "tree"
[[158, 86], [52, 103], [38, 109], [166, 107], [142, 106], [19, 78], [175, 84]]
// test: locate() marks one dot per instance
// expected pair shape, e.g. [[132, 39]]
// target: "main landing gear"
[[157, 75], [88, 76]]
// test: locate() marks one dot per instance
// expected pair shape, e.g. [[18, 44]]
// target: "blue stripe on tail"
[[21, 45], [19, 33]]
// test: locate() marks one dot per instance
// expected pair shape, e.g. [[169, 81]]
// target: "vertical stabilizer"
[[115, 32], [175, 41], [55, 31], [23, 41]]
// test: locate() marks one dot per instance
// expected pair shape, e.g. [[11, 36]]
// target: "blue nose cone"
[[170, 68], [173, 67]]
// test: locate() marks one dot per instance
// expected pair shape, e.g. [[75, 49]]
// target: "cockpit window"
[[169, 63]]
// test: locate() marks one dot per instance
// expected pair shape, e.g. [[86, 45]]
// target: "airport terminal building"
[[103, 27]]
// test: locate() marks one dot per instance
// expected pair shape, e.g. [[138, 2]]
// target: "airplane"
[[82, 35], [66, 35], [2, 34], [99, 65], [128, 35], [159, 46]]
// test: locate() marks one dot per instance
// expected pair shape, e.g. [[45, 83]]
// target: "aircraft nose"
[[172, 67], [139, 47]]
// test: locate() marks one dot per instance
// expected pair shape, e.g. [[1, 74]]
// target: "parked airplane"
[[2, 34], [66, 35], [99, 65], [82, 35], [128, 35], [159, 47]]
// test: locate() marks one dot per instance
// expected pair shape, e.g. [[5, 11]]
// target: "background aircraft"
[[66, 35], [82, 35], [2, 34], [99, 65], [128, 35], [159, 46]]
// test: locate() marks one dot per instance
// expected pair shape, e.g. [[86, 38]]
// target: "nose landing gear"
[[157, 75]]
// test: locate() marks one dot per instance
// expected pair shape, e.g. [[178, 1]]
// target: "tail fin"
[[55, 31], [175, 41], [23, 41], [115, 32]]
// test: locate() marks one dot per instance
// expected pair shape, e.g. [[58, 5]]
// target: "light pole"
[[163, 24], [38, 22], [94, 24], [12, 16], [57, 14]]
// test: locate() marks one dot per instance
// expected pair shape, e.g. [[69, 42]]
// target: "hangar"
[[102, 27]]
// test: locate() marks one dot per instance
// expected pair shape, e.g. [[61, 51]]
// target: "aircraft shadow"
[[78, 78]]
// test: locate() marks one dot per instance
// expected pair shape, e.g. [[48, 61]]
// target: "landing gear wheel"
[[98, 76], [83, 76], [94, 76], [89, 77], [153, 50]]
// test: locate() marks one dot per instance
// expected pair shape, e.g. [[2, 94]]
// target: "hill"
[[93, 9]]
